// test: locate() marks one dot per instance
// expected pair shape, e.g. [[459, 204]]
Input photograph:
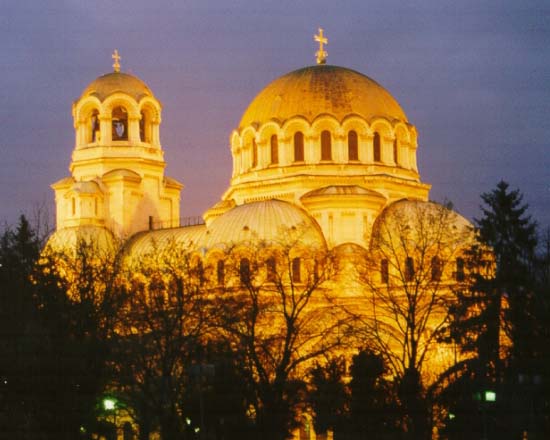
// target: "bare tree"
[[277, 319], [415, 258], [160, 328]]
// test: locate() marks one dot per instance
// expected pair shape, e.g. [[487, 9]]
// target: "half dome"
[[114, 82], [96, 238], [272, 221], [322, 89], [418, 220]]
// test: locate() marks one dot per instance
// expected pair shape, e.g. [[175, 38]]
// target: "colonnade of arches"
[[326, 142], [436, 272], [118, 118]]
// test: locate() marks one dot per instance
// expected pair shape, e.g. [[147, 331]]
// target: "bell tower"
[[117, 176]]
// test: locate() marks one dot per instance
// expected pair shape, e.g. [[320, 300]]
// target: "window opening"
[[220, 272], [409, 269], [384, 271], [145, 128], [436, 269], [244, 270], [376, 147], [274, 149], [94, 126], [296, 276], [326, 145], [271, 267], [298, 147], [120, 124], [254, 154], [353, 151]]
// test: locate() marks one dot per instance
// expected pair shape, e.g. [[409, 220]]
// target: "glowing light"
[[109, 404], [490, 396]]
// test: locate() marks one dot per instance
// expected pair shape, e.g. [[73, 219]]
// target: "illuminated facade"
[[323, 148]]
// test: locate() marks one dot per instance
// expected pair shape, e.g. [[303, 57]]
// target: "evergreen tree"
[[496, 300], [373, 408], [511, 234], [19, 402], [328, 395]]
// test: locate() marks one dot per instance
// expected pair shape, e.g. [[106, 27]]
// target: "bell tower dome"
[[117, 170]]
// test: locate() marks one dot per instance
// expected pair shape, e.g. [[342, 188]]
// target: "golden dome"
[[113, 82], [322, 89]]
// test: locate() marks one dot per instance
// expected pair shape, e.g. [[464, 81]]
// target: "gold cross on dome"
[[115, 56], [321, 54]]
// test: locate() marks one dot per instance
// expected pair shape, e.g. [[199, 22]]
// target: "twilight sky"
[[473, 76]]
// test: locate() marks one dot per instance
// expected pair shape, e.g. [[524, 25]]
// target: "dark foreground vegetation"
[[188, 364]]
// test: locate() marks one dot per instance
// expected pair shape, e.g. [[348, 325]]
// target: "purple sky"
[[472, 76]]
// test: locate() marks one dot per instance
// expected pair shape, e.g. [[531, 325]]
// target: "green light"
[[490, 396], [109, 404], [451, 416]]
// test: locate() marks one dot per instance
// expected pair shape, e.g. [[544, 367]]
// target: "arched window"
[[298, 146], [254, 153], [145, 127], [244, 270], [326, 145], [200, 272], [271, 268], [384, 272], [296, 275], [436, 269], [120, 124], [395, 151], [274, 149], [220, 272], [376, 147], [353, 150], [459, 269], [94, 126], [409, 269]]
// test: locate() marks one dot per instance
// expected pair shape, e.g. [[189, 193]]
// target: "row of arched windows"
[[326, 148], [271, 270], [436, 270], [119, 126]]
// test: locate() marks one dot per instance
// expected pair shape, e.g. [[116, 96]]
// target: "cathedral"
[[323, 145], [324, 149]]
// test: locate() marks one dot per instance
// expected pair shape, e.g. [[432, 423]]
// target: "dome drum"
[[321, 121]]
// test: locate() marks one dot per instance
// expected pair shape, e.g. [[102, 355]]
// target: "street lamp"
[[110, 404]]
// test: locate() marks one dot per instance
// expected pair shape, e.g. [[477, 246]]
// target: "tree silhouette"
[[414, 259], [275, 317]]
